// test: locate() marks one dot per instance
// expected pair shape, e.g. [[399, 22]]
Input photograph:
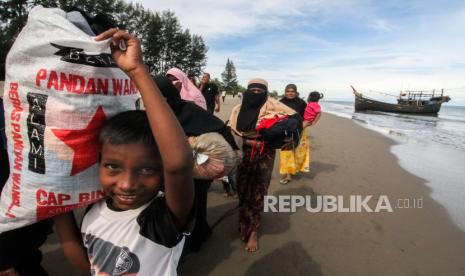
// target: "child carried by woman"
[[312, 112]]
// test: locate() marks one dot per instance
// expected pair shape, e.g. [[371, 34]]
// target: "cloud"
[[328, 45], [214, 19], [382, 25]]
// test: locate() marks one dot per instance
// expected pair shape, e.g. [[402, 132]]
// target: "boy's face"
[[131, 174]]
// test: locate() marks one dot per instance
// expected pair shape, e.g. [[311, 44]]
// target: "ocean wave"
[[445, 129]]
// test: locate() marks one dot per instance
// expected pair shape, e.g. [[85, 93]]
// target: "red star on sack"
[[84, 142]]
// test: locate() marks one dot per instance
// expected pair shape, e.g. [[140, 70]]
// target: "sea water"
[[432, 148]]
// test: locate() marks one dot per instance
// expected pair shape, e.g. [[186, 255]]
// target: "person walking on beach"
[[292, 161], [229, 184], [211, 93], [195, 121], [189, 91], [254, 172]]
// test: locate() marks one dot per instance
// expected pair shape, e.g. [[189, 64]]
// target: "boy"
[[138, 229]]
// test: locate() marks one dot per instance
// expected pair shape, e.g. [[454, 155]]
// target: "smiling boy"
[[146, 172]]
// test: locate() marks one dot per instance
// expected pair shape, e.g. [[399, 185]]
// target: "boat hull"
[[362, 104]]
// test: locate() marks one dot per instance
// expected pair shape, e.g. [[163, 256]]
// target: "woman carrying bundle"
[[294, 160], [254, 172]]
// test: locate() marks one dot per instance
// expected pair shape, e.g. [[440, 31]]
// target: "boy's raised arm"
[[175, 152]]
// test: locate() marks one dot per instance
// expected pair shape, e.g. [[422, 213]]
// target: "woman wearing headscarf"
[[189, 91], [254, 172], [294, 160], [195, 121]]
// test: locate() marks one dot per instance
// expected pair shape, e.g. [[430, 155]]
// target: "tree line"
[[164, 42], [229, 81]]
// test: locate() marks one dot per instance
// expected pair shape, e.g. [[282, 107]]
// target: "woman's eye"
[[147, 171]]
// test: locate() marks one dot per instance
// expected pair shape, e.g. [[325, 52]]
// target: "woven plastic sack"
[[61, 85], [214, 157]]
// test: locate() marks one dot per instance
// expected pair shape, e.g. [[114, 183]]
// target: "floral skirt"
[[253, 180], [297, 160]]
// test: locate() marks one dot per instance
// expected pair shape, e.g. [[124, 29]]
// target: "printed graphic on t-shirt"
[[110, 259]]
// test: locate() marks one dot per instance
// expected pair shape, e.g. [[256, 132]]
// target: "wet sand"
[[347, 159]]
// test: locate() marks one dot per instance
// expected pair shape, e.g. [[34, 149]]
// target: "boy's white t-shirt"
[[142, 241]]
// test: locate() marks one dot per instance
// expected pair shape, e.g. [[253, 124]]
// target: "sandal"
[[284, 181]]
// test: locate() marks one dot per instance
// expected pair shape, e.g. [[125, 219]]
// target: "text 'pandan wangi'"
[[78, 84]]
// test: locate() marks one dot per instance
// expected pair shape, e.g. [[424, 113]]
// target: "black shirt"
[[296, 103], [210, 91]]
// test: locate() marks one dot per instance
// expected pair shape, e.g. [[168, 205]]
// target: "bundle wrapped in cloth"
[[281, 130], [214, 157], [61, 85]]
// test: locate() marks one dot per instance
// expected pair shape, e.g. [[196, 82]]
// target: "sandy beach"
[[347, 159]]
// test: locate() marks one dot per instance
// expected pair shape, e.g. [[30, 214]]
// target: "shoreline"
[[427, 160], [347, 159]]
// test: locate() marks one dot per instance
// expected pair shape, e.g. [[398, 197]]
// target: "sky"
[[328, 45]]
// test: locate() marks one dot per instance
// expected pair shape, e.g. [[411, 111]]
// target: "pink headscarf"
[[189, 91]]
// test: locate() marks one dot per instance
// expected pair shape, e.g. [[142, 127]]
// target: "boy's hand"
[[128, 60]]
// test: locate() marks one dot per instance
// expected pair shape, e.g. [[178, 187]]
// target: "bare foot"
[[252, 243], [286, 179]]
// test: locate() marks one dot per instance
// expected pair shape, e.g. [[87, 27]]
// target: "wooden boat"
[[413, 102]]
